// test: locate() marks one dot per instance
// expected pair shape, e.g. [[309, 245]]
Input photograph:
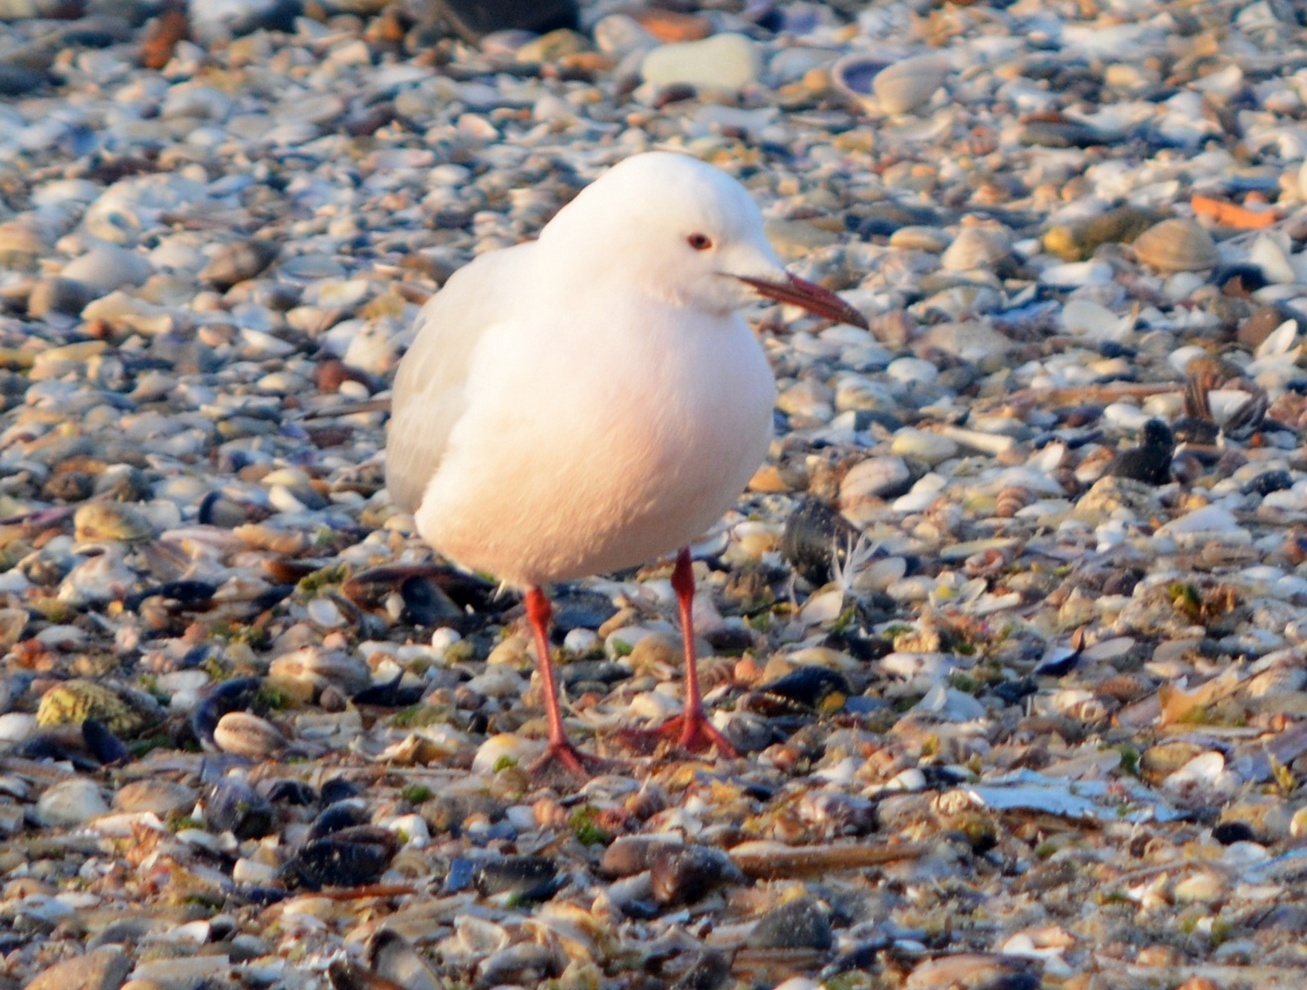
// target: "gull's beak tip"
[[800, 292]]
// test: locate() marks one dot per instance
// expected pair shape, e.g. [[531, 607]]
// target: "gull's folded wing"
[[430, 390]]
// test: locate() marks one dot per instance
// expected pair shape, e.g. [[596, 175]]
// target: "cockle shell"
[[1176, 245]]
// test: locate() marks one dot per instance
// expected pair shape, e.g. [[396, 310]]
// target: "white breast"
[[638, 445]]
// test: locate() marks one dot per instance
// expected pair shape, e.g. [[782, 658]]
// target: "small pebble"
[[725, 61]]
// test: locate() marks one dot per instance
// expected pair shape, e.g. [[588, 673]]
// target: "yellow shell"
[[1079, 241], [73, 702]]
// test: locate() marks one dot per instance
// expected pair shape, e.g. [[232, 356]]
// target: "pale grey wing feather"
[[429, 394]]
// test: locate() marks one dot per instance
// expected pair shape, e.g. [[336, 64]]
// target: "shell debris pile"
[[1011, 628]]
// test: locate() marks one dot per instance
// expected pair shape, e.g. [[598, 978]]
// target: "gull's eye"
[[700, 242]]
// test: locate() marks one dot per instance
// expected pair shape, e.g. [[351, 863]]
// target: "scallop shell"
[[1176, 245], [889, 87]]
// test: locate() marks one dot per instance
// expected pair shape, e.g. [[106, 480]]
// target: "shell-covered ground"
[[1009, 630]]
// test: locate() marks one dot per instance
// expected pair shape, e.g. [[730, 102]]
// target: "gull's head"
[[683, 231]]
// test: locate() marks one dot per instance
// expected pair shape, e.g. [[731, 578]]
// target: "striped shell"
[[909, 83], [1012, 500], [1176, 245], [892, 87], [248, 735]]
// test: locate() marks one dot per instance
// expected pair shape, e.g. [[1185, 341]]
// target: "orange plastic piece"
[[672, 26], [1232, 214]]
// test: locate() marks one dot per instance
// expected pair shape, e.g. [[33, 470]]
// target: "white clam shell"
[[890, 87]]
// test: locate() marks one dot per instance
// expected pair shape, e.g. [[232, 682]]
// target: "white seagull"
[[592, 400]]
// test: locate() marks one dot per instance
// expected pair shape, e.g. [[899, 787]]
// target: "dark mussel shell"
[[683, 874], [798, 924], [426, 604], [803, 691], [391, 694], [579, 608], [229, 696], [1150, 462], [295, 792], [525, 878], [104, 745], [58, 747], [1267, 482], [340, 789], [232, 805], [433, 593], [338, 817], [352, 857], [816, 537], [711, 970]]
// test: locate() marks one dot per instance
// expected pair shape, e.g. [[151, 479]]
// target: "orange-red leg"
[[560, 748], [691, 728]]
